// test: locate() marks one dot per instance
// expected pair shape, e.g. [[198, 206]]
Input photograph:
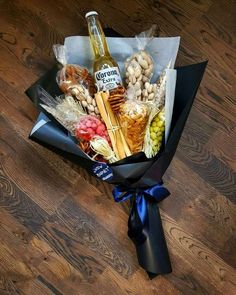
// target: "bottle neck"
[[97, 37]]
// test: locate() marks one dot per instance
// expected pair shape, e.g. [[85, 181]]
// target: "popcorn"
[[133, 119]]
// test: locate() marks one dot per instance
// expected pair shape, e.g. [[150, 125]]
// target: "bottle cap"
[[91, 13]]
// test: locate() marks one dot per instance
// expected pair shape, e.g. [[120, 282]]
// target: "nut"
[[91, 108], [139, 92], [151, 96], [143, 63], [145, 92], [84, 103], [130, 70], [89, 99], [139, 69], [94, 102]]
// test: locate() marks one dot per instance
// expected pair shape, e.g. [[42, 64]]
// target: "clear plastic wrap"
[[66, 110], [72, 75], [161, 106], [76, 81], [91, 132], [133, 117], [139, 67], [154, 135], [90, 126], [156, 123]]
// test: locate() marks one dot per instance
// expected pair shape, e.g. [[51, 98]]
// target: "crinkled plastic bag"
[[133, 117], [71, 75], [139, 66]]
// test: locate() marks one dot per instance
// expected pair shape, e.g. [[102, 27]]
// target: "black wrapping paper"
[[135, 171], [146, 253]]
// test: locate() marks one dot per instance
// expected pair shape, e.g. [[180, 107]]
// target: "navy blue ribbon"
[[142, 195]]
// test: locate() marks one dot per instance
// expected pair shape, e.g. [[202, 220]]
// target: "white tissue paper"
[[162, 50], [169, 99]]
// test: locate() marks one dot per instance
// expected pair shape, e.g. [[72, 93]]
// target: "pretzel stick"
[[114, 123], [103, 112], [125, 145]]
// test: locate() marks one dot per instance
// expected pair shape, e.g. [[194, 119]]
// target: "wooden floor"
[[60, 230]]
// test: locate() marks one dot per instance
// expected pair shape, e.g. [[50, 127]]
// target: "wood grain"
[[210, 265], [199, 208], [60, 230]]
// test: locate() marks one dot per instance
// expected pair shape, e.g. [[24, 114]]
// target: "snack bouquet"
[[119, 111]]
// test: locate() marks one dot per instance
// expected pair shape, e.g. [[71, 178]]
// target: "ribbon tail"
[[137, 228], [120, 195], [145, 227], [151, 246]]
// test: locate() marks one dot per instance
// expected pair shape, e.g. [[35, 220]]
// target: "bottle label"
[[108, 79]]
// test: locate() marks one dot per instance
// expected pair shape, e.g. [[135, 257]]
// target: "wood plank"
[[187, 280], [7, 287], [199, 126], [23, 118], [172, 16], [21, 46], [206, 262], [19, 205], [29, 23], [78, 239], [220, 66], [224, 20], [210, 168], [111, 215], [34, 259], [113, 281], [38, 287], [201, 209], [226, 150], [53, 15], [48, 194]]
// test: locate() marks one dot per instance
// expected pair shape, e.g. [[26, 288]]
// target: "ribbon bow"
[[138, 221]]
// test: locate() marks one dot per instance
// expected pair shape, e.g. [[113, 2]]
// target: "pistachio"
[[89, 99], [84, 103]]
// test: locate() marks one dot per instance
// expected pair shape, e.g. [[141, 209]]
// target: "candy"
[[90, 126], [100, 129], [157, 129]]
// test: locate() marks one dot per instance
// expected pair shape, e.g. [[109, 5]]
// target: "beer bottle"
[[105, 68]]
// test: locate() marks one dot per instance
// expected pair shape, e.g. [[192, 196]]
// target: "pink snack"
[[90, 126]]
